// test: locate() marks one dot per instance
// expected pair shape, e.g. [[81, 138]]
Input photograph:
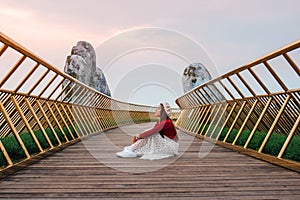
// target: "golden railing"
[[254, 109], [43, 109]]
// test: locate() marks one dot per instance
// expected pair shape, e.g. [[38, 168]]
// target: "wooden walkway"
[[90, 169]]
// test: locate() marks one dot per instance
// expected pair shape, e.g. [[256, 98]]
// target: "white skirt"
[[155, 147]]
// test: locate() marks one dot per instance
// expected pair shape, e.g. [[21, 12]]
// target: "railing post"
[[234, 121], [13, 129], [244, 123], [274, 123], [54, 101], [26, 123], [288, 139]]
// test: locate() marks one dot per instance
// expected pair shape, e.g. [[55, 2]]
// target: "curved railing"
[[253, 109], [43, 109]]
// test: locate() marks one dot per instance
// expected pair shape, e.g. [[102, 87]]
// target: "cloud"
[[15, 13]]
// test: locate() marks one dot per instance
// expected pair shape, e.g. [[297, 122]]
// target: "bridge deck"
[[89, 169]]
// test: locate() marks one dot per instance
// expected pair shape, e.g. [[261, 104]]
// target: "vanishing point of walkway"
[[90, 169]]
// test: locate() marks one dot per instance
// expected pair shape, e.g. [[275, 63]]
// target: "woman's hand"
[[135, 138]]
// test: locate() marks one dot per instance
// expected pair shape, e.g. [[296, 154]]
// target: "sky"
[[225, 34]]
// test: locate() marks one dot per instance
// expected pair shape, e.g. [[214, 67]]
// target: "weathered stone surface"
[[194, 75], [81, 64]]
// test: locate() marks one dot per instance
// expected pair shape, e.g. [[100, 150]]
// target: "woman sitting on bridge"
[[156, 143]]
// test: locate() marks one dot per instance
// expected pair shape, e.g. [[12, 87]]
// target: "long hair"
[[163, 113], [164, 116]]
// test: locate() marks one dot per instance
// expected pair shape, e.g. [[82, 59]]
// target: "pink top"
[[164, 128]]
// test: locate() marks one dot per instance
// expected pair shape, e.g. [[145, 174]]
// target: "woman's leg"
[[138, 144]]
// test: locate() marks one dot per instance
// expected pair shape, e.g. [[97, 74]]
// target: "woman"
[[156, 143]]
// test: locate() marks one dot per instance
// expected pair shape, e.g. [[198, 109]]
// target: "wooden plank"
[[76, 173]]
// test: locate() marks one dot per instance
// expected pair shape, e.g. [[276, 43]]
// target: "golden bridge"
[[251, 113]]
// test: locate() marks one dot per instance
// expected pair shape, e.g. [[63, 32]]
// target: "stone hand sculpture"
[[81, 65], [196, 74]]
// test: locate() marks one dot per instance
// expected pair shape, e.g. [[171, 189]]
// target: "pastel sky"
[[231, 32]]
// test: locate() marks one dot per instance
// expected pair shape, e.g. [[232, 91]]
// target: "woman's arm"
[[155, 130]]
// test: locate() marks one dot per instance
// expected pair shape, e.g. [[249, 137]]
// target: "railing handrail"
[[52, 120], [18, 47], [231, 117], [280, 51]]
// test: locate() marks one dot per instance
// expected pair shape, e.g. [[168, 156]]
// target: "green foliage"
[[272, 147], [67, 133], [15, 151], [2, 160], [28, 141], [257, 140], [141, 120], [232, 136], [13, 148], [243, 138], [216, 132], [203, 129], [73, 132], [292, 152], [41, 138], [223, 134], [274, 144]]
